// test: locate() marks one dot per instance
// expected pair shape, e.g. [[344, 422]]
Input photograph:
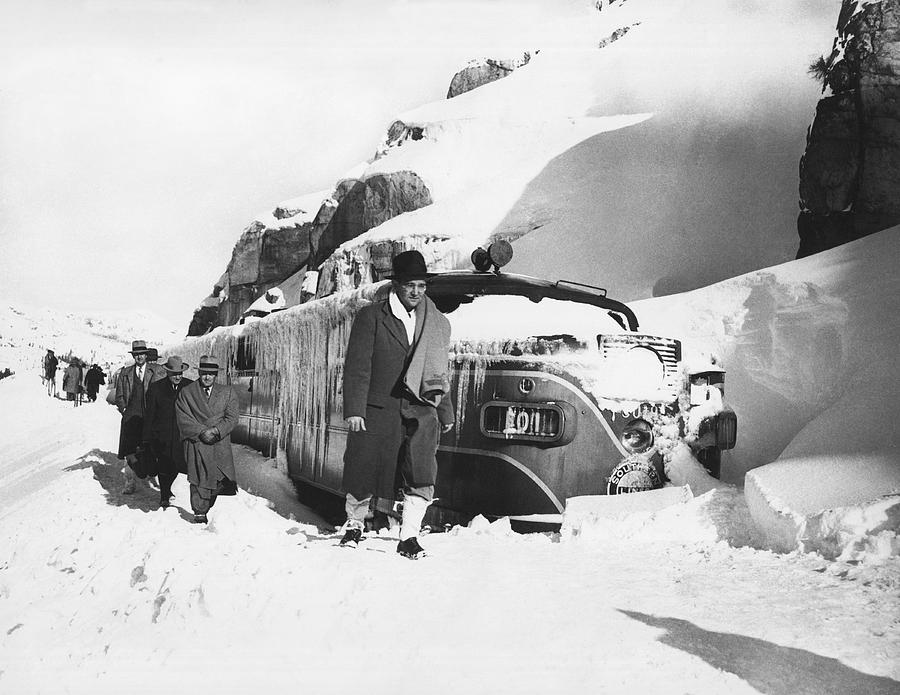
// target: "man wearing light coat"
[[206, 412]]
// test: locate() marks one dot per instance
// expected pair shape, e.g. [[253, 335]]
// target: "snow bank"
[[671, 516], [846, 507], [811, 352]]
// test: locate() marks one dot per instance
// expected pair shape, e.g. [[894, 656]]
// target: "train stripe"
[[510, 460]]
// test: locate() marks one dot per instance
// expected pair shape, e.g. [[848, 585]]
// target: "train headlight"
[[637, 436], [644, 368]]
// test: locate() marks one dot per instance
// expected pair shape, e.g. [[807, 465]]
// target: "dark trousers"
[[165, 484], [202, 499]]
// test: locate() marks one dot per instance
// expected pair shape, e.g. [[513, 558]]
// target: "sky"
[[139, 138]]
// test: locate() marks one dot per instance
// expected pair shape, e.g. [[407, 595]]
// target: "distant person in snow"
[[396, 402], [132, 383], [161, 435], [93, 380], [206, 412], [72, 381], [50, 365]]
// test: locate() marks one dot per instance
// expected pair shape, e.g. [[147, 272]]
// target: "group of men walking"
[[173, 425], [396, 405]]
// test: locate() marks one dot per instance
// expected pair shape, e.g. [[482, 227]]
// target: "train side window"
[[246, 360]]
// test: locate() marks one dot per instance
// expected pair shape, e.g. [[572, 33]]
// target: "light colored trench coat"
[[207, 464]]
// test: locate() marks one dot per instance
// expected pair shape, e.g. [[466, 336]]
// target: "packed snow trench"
[[105, 593]]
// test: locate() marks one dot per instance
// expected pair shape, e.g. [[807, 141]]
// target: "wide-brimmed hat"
[[409, 265], [152, 354], [139, 347], [208, 364], [175, 365]]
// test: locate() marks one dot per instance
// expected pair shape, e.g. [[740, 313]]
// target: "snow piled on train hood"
[[810, 349]]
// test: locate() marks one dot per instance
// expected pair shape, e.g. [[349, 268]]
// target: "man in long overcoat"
[[396, 402], [161, 434], [93, 380], [206, 412], [132, 383], [72, 381]]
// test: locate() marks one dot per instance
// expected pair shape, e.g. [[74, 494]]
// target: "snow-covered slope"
[[810, 349], [663, 161], [104, 337]]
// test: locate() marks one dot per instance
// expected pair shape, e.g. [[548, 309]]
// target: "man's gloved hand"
[[209, 436]]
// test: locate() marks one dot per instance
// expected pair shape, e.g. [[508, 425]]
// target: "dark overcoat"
[[207, 464], [93, 379], [132, 409], [161, 427], [377, 355]]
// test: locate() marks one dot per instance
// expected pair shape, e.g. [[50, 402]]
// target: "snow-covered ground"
[[104, 593], [787, 584]]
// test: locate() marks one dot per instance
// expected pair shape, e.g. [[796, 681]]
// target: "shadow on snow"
[[768, 667], [108, 472]]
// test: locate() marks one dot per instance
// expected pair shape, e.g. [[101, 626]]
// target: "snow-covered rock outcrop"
[[482, 71], [625, 127]]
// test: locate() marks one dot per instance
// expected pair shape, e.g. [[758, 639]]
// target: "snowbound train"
[[556, 393]]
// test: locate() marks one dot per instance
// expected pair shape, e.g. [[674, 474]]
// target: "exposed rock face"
[[206, 316], [483, 71], [367, 203], [850, 174], [264, 256], [399, 133]]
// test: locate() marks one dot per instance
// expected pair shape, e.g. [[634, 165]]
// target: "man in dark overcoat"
[[132, 383], [206, 412], [93, 380], [161, 434], [396, 402]]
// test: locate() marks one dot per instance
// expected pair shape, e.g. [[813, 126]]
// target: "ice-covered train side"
[[557, 394]]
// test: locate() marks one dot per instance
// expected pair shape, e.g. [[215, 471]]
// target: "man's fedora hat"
[[175, 365], [139, 347], [208, 364], [409, 265]]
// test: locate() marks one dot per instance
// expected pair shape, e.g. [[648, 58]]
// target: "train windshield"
[[509, 317]]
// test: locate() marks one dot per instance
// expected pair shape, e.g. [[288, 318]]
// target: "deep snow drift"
[[810, 349]]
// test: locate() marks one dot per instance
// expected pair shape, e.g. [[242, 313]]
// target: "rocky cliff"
[[271, 248], [850, 173], [482, 71], [301, 234]]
